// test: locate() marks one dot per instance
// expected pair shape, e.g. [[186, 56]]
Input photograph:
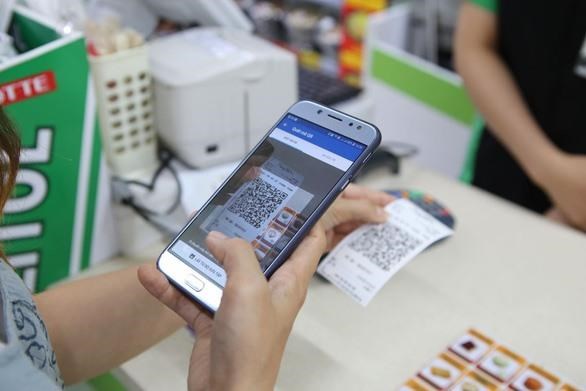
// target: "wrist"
[[544, 166]]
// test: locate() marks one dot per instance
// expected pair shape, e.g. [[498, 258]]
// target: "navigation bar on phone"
[[311, 149]]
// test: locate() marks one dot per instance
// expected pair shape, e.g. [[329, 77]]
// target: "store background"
[[392, 66]]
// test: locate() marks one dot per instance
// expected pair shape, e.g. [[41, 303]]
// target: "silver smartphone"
[[273, 198]]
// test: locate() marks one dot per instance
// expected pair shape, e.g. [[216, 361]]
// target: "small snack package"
[[285, 216], [260, 249], [355, 14], [474, 381], [534, 378], [567, 387], [502, 364], [272, 234], [443, 371], [415, 385], [472, 346]]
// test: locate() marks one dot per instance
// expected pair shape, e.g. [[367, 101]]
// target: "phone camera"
[[351, 123], [359, 127], [320, 111]]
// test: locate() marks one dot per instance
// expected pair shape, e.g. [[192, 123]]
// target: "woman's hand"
[[355, 206], [241, 348]]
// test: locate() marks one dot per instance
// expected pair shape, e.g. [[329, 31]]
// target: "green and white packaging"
[[59, 219]]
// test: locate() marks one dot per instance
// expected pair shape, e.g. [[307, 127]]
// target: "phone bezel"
[[177, 271]]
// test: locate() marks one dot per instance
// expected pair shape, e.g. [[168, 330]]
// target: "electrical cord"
[[165, 149], [166, 159], [122, 191]]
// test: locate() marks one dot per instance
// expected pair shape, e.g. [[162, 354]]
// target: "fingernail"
[[382, 213], [216, 236]]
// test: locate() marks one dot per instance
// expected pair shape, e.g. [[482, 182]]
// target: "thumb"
[[235, 255]]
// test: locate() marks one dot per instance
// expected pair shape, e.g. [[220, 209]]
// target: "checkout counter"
[[506, 271]]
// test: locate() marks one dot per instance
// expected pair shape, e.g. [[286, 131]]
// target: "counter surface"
[[507, 272]]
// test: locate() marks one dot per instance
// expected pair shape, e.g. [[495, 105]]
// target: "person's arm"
[[493, 90], [495, 93], [96, 324]]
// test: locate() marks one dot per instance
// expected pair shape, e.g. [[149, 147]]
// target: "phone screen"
[[271, 195]]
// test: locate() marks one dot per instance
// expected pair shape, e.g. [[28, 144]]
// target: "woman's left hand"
[[357, 205]]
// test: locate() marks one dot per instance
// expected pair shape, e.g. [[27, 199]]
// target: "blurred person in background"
[[521, 63]]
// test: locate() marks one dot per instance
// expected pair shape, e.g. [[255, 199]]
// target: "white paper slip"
[[367, 258]]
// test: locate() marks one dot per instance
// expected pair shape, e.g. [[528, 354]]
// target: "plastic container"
[[124, 94]]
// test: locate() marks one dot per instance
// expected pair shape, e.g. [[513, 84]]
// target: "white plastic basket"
[[124, 93]]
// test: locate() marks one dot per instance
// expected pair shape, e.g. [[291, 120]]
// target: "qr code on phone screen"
[[257, 202], [384, 245]]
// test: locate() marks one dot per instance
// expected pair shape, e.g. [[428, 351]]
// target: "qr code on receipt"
[[257, 202], [384, 245]]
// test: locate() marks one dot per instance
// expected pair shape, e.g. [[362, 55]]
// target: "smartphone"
[[273, 198]]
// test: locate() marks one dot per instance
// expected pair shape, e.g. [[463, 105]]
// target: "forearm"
[[495, 93], [98, 323]]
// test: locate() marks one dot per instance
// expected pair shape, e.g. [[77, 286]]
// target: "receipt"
[[366, 259]]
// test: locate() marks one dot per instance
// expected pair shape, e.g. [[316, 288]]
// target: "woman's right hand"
[[242, 346]]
